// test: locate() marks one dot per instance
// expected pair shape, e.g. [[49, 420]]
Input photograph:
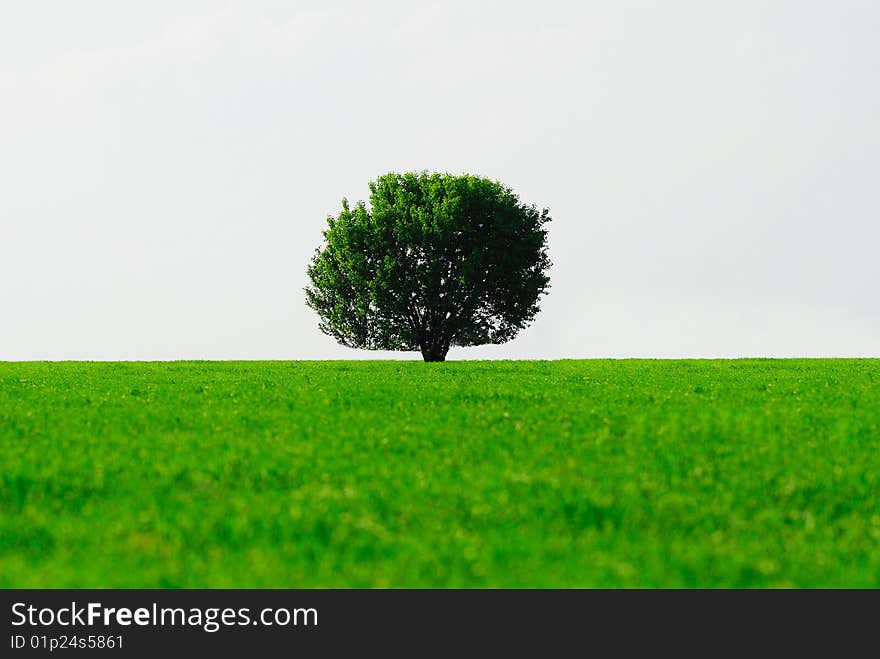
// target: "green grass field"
[[472, 474]]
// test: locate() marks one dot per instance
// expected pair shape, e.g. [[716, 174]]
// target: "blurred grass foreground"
[[632, 473]]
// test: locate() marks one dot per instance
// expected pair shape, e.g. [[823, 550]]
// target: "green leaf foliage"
[[434, 260]]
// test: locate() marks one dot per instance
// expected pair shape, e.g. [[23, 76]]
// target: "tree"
[[435, 260]]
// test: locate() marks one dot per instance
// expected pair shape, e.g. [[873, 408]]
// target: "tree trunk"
[[434, 354]]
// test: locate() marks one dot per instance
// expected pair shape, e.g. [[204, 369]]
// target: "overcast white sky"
[[712, 168]]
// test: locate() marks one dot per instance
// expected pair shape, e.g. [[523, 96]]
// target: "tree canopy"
[[434, 260]]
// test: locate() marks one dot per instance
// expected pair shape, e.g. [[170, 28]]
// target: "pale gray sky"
[[712, 168]]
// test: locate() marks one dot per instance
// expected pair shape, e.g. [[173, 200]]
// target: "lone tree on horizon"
[[435, 260]]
